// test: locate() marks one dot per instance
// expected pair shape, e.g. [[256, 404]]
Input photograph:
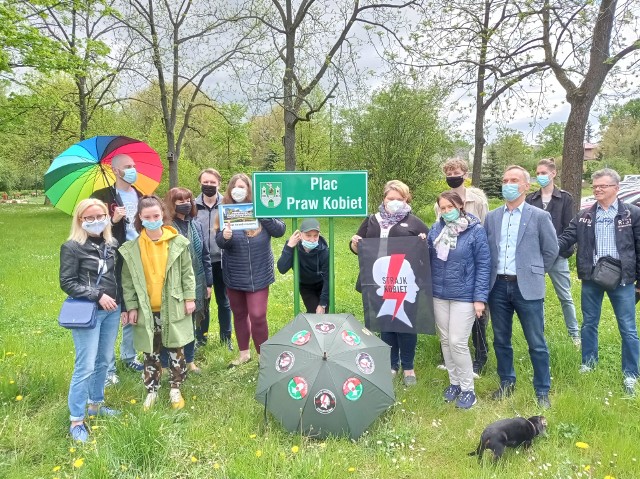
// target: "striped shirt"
[[606, 232]]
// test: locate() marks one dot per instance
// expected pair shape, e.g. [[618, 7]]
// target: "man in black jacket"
[[122, 202], [559, 204], [610, 229]]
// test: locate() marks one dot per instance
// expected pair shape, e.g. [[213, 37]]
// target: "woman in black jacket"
[[89, 251], [247, 269], [394, 218]]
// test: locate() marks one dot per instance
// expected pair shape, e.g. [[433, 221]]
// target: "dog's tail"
[[477, 451]]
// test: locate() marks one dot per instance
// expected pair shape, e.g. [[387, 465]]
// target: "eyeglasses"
[[601, 187], [93, 219]]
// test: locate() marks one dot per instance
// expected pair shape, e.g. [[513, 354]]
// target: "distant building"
[[591, 151]]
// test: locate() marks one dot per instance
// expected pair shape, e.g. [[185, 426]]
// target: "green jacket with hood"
[[179, 283]]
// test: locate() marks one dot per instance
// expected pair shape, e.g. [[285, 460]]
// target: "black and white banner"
[[395, 277]]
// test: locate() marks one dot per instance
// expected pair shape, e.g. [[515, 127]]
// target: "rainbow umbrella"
[[80, 170]]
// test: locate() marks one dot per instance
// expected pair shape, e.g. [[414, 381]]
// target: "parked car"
[[627, 195]]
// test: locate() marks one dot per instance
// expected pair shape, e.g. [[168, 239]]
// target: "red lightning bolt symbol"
[[395, 263]]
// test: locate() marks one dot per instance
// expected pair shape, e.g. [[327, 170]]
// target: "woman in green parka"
[[159, 291]]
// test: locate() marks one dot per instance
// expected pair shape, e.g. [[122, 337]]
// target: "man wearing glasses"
[[608, 231]]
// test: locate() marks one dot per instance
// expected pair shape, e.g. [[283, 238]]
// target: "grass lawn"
[[221, 432]]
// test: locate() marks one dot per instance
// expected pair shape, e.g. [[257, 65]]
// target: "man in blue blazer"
[[523, 245]]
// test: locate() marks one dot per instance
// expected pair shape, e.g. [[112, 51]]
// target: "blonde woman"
[[89, 251], [247, 270]]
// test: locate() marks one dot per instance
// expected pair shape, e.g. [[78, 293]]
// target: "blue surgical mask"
[[543, 180], [152, 225], [510, 191], [394, 206], [130, 175], [95, 228], [309, 244], [450, 216]]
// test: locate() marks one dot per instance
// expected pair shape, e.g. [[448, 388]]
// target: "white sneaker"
[[585, 369], [111, 380], [577, 342], [630, 386], [177, 401], [441, 367], [149, 401]]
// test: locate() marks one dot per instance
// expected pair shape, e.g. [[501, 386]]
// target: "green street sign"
[[303, 194]]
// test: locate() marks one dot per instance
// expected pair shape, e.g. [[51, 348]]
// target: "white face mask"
[[238, 194], [394, 205], [95, 228]]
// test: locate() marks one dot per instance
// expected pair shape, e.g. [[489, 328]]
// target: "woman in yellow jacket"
[[159, 290]]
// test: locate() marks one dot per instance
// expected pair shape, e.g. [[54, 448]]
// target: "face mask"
[[130, 175], [394, 205], [184, 209], [309, 244], [510, 191], [95, 228], [450, 216], [455, 181], [152, 225], [543, 180], [209, 190], [238, 194]]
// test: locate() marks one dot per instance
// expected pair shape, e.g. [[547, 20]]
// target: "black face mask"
[[184, 209], [209, 190], [455, 181]]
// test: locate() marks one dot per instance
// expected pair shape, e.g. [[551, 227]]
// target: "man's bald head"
[[122, 162]]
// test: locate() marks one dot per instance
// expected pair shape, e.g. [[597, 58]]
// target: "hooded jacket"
[[247, 261], [465, 275], [179, 283], [208, 217], [581, 230], [314, 266]]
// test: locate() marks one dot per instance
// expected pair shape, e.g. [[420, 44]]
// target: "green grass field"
[[221, 432]]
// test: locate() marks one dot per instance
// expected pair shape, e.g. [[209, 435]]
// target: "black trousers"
[[311, 296]]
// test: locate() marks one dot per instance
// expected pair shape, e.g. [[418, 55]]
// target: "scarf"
[[390, 219], [448, 237]]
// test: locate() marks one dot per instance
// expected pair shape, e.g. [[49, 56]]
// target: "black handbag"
[[79, 313], [607, 273]]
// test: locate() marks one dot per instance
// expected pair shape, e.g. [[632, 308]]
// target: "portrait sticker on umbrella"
[[325, 327], [352, 389], [285, 362], [325, 401], [301, 337], [351, 338], [298, 388], [365, 363]]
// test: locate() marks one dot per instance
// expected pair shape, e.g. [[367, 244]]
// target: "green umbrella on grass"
[[325, 374]]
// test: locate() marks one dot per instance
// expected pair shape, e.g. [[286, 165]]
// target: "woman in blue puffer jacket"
[[248, 270], [460, 271]]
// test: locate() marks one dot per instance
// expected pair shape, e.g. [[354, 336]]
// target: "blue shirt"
[[606, 232], [508, 240], [130, 202]]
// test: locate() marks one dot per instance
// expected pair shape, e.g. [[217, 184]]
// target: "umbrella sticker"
[[298, 388], [351, 338], [301, 337], [325, 327], [352, 389], [285, 361], [325, 401], [365, 364]]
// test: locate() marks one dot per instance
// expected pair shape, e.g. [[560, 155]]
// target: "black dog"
[[509, 433]]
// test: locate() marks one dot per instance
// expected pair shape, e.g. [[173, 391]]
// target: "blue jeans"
[[624, 306], [561, 280], [403, 349], [94, 353], [505, 299], [127, 351], [224, 309]]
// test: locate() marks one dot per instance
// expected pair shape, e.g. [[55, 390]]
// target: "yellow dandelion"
[[609, 477], [259, 453], [194, 459], [132, 401], [295, 449], [56, 469], [216, 465], [252, 436], [194, 397], [582, 445], [404, 401], [9, 353], [352, 469], [587, 467], [78, 463], [72, 449], [11, 381], [205, 334], [19, 397]]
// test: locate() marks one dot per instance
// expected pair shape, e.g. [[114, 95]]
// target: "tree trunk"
[[478, 145], [573, 149], [481, 108], [289, 141], [82, 106]]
